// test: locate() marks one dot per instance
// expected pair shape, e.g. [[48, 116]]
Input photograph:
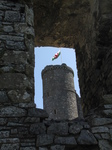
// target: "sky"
[[43, 57]]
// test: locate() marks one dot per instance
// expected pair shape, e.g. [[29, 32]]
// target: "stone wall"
[[16, 52]]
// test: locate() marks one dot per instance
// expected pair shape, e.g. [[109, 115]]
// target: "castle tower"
[[58, 92]]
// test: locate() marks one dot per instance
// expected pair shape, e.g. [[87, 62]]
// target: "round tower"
[[59, 95]]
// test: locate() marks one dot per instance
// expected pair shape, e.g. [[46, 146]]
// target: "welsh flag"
[[56, 55]]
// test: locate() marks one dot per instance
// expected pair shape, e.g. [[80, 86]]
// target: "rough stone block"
[[65, 140], [105, 136], [4, 134], [58, 147], [40, 113], [3, 121], [10, 146], [75, 128], [3, 97], [43, 148], [100, 129], [12, 16], [12, 111], [9, 140], [8, 28], [107, 99], [32, 120], [105, 145], [44, 139], [58, 128], [107, 113], [19, 81], [29, 16], [86, 138], [27, 148], [38, 128], [101, 121], [17, 38], [15, 45]]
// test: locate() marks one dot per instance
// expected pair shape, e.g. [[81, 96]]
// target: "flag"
[[56, 55]]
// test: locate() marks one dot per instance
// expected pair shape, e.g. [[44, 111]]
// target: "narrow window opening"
[[43, 57], [55, 111]]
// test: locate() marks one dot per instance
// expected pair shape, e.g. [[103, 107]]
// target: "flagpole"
[[61, 56]]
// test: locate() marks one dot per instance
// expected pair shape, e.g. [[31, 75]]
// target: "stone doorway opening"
[[43, 56]]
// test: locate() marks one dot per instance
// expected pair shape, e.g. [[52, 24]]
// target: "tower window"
[[55, 111]]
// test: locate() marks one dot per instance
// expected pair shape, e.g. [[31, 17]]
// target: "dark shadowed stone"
[[12, 16], [58, 128], [37, 128], [3, 97], [32, 120], [108, 106], [35, 112], [107, 113], [105, 136], [4, 134], [27, 105], [12, 111], [9, 140], [99, 129], [101, 121], [27, 148], [86, 138], [43, 148], [10, 146], [57, 147], [107, 99], [44, 139], [75, 128], [105, 145], [65, 140], [3, 121]]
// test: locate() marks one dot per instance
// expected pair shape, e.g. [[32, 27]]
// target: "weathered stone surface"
[[107, 99], [10, 147], [105, 136], [27, 105], [86, 138], [4, 134], [105, 145], [32, 120], [11, 38], [38, 128], [57, 147], [27, 148], [9, 140], [29, 16], [107, 113], [44, 139], [3, 121], [19, 81], [101, 121], [12, 16], [3, 97], [58, 128], [12, 111], [42, 148], [75, 128], [108, 106], [15, 45], [65, 140], [100, 129], [8, 28], [34, 112]]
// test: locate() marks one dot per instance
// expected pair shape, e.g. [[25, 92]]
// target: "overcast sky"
[[43, 56]]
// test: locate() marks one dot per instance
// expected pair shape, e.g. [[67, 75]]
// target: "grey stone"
[[34, 112], [15, 45], [42, 148], [75, 128], [44, 139], [58, 128], [27, 148], [107, 99], [11, 38], [58, 147], [13, 124], [8, 28], [12, 111], [9, 140], [10, 147], [32, 120], [105, 136], [27, 105], [105, 145], [3, 121], [101, 121], [37, 128], [108, 106], [19, 81], [14, 131], [12, 16], [86, 138], [29, 15], [100, 129], [3, 97], [4, 134], [65, 140], [26, 97], [98, 136], [107, 113]]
